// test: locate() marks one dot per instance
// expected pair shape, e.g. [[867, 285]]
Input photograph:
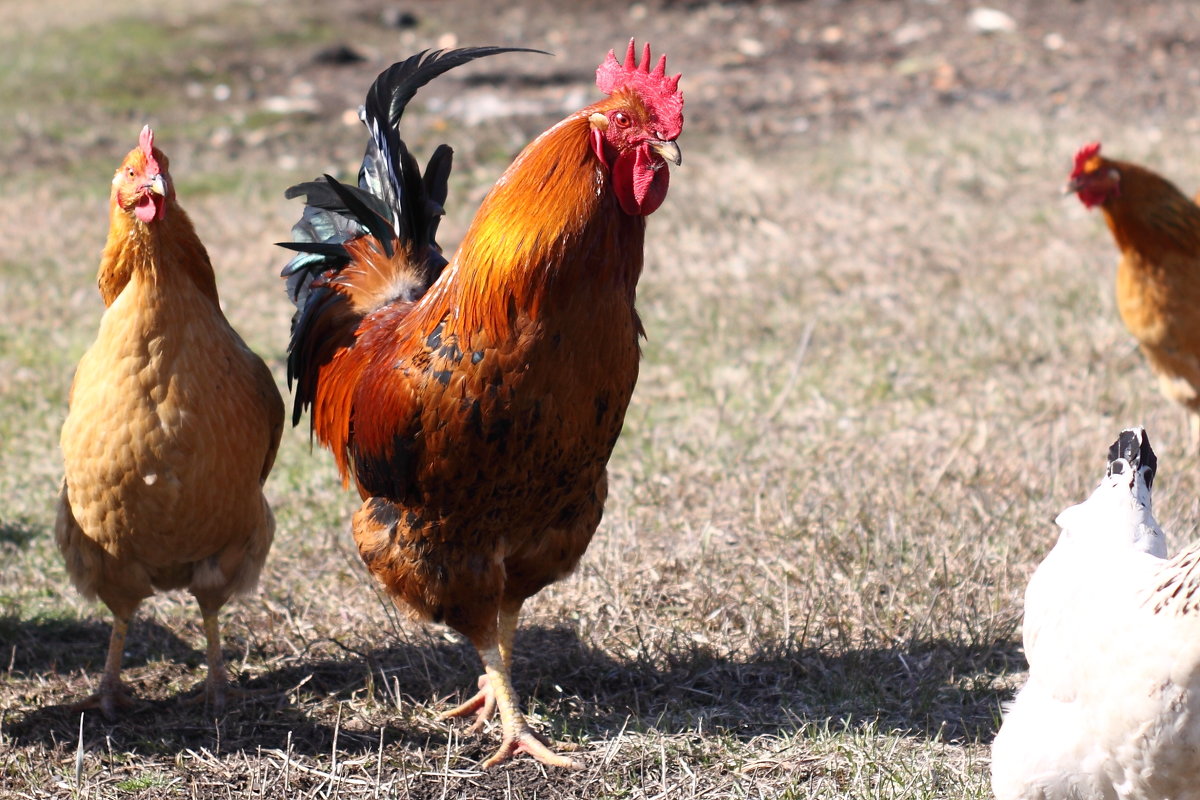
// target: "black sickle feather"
[[396, 85], [393, 202], [437, 188], [327, 249], [379, 227], [321, 194]]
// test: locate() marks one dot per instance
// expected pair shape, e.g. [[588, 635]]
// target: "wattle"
[[640, 180], [148, 208], [1093, 197]]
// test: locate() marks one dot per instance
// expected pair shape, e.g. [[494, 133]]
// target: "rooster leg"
[[113, 692], [483, 704], [518, 736]]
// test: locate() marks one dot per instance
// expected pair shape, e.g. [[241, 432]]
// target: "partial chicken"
[[1112, 635], [1157, 230], [172, 429], [475, 403]]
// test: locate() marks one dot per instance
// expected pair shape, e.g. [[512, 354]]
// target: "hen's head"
[[634, 130], [1094, 179], [142, 185]]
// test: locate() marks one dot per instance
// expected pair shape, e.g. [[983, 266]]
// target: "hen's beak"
[[158, 185], [668, 150], [1072, 186]]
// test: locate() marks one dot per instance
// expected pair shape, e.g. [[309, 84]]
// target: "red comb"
[[146, 141], [146, 145], [612, 75], [659, 90], [1085, 154]]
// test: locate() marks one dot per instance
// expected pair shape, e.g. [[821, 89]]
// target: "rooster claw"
[[482, 705], [528, 741]]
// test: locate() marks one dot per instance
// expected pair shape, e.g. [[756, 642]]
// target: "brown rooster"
[[476, 402], [1157, 229], [172, 429]]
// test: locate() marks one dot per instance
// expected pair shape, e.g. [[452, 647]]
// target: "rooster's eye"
[[129, 172], [622, 119]]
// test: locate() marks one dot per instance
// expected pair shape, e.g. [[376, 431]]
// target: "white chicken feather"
[[1112, 636]]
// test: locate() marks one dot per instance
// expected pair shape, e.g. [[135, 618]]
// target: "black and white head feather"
[[1119, 512]]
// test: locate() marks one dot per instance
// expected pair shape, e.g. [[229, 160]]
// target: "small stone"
[[990, 20], [913, 31], [752, 48]]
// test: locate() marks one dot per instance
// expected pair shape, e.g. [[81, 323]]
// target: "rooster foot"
[[525, 740], [482, 705]]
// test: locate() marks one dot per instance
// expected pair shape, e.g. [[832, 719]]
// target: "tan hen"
[[172, 430]]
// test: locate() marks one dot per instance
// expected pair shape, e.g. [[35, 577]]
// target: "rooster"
[[172, 429], [1112, 634], [475, 402], [1157, 230]]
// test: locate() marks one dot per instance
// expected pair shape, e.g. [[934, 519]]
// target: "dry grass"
[[881, 357]]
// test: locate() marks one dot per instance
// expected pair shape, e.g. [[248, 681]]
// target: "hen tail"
[[359, 248]]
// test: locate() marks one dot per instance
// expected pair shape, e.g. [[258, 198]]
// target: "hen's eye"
[[622, 119], [129, 171]]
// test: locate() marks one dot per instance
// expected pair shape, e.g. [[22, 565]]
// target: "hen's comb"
[[1085, 154], [146, 145], [146, 142], [655, 86]]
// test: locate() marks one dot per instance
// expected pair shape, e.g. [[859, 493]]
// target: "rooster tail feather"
[[388, 170], [395, 87], [359, 248], [437, 188]]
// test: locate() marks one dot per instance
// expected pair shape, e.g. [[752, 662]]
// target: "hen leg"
[[113, 693], [217, 684], [483, 704], [217, 688]]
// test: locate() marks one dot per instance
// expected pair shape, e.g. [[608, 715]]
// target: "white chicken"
[[1112, 635]]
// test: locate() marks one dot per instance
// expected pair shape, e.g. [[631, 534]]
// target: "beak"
[[668, 150], [158, 185], [1072, 186]]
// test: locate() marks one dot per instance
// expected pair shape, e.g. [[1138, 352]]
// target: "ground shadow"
[[18, 533], [933, 689], [47, 645]]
